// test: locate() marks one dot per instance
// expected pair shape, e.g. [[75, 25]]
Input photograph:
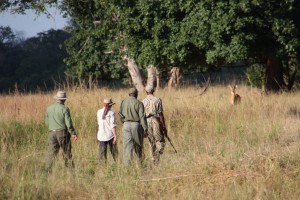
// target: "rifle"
[[164, 132], [122, 117]]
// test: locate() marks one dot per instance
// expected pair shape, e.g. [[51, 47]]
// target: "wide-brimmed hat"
[[61, 95], [133, 91], [108, 101]]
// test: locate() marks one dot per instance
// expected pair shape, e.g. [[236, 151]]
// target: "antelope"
[[234, 98]]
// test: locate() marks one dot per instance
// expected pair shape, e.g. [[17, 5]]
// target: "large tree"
[[191, 33], [187, 34], [94, 31], [264, 32]]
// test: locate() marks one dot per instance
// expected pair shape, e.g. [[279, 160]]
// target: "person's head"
[[149, 89], [133, 92], [107, 105], [108, 102], [61, 96]]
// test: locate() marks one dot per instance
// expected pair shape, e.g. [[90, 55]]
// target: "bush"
[[256, 75]]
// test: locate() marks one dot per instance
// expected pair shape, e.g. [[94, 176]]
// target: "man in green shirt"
[[134, 126], [60, 127]]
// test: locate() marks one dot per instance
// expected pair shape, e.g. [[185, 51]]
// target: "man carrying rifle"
[[156, 124]]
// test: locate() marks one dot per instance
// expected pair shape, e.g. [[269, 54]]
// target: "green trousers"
[[57, 140], [133, 136]]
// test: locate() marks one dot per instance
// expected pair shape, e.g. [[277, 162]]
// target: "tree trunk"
[[157, 79], [135, 74], [274, 75], [152, 80], [175, 77]]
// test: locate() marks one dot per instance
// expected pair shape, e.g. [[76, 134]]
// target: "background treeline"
[[111, 38], [31, 64]]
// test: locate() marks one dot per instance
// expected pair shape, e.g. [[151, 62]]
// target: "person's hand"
[[74, 137], [115, 140], [145, 134]]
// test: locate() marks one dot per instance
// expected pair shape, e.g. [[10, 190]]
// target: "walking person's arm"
[[163, 124], [113, 124], [114, 131], [69, 124], [143, 120], [162, 118], [47, 119]]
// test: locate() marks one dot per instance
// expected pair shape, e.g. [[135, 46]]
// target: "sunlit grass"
[[248, 151]]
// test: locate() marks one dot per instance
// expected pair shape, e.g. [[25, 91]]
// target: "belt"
[[50, 131], [132, 121], [151, 115]]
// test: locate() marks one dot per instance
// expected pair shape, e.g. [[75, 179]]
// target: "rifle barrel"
[[171, 143]]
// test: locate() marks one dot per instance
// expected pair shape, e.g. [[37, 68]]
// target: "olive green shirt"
[[58, 117], [132, 110]]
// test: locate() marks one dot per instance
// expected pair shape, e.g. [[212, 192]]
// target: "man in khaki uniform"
[[60, 127], [156, 124], [134, 126]]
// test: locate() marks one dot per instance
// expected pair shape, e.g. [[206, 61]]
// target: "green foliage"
[[43, 59], [34, 63], [291, 74], [256, 75], [188, 34], [20, 6], [6, 36], [90, 47], [153, 33]]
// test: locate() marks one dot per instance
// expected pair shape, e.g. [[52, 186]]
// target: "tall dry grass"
[[249, 151]]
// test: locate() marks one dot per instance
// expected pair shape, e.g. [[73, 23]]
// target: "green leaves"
[[187, 34]]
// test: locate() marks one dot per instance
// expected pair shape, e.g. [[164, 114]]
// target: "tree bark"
[[274, 75], [135, 74], [152, 76], [157, 79], [175, 77]]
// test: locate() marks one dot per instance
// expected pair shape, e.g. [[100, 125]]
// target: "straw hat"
[[61, 95], [108, 101]]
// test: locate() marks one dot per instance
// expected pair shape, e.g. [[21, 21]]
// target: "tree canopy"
[[190, 34]]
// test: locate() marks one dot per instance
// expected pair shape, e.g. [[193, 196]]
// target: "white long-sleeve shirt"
[[105, 126]]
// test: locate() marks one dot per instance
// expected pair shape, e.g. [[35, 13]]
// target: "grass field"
[[249, 151]]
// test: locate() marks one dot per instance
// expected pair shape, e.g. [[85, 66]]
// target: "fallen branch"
[[170, 177]]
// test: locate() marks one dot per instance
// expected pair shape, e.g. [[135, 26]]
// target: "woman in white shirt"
[[107, 134]]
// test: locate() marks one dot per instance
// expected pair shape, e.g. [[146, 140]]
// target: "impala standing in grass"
[[234, 98]]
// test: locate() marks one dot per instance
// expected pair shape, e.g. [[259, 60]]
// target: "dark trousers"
[[57, 140], [103, 149]]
